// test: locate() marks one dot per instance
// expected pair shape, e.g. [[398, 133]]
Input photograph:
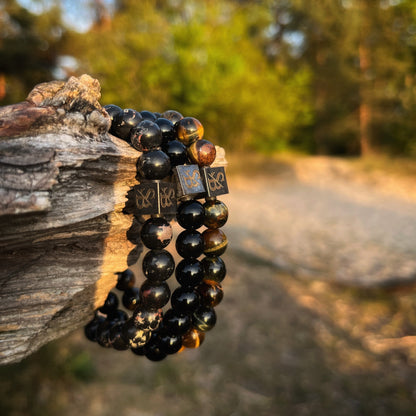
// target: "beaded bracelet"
[[174, 171]]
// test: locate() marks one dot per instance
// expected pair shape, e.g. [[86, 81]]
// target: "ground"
[[290, 339]]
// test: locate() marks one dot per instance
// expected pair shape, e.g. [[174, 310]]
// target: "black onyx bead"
[[103, 334], [117, 316], [175, 322], [214, 268], [176, 152], [110, 304], [167, 129], [185, 300], [147, 319], [133, 336], [91, 328], [152, 350], [154, 295], [124, 122], [156, 233], [172, 115], [189, 272], [131, 298], [148, 115], [113, 111], [158, 265], [190, 243], [190, 214], [211, 293], [215, 242], [216, 214], [125, 280], [116, 338], [189, 130], [170, 343], [154, 164], [138, 350], [204, 319], [146, 136]]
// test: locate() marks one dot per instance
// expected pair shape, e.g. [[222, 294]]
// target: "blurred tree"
[[29, 48]]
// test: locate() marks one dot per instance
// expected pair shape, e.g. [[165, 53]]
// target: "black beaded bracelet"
[[173, 170]]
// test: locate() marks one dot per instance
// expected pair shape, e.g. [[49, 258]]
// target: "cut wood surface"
[[64, 183]]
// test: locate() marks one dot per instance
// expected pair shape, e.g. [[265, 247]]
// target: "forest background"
[[335, 77]]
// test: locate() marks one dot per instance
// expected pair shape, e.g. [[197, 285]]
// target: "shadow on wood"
[[63, 186]]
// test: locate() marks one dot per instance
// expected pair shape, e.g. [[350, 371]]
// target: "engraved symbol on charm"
[[215, 182], [167, 196], [192, 181], [144, 201]]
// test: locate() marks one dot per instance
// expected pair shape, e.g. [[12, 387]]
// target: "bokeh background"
[[314, 102]]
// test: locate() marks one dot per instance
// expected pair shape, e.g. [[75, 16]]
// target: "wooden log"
[[64, 182]]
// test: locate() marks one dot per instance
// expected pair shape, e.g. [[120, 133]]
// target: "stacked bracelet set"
[[176, 180]]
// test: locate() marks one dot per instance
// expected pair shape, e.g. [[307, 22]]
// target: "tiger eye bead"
[[190, 214], [215, 242], [202, 152], [156, 233], [214, 268], [204, 319], [215, 214], [211, 293], [125, 280], [154, 295], [189, 272], [193, 338], [189, 130], [190, 243], [158, 265], [153, 164]]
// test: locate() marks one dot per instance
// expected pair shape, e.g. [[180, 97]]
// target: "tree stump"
[[64, 182]]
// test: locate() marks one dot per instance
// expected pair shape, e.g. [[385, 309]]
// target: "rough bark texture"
[[63, 189]]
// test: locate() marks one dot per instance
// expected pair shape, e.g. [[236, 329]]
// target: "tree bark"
[[64, 183]]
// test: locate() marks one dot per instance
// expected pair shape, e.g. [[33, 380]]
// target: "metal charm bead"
[[155, 197], [189, 182], [215, 181]]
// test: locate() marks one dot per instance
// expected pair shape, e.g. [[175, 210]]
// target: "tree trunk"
[[64, 183]]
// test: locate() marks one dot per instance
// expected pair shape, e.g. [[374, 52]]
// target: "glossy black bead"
[[204, 319], [156, 233], [175, 322], [153, 352], [146, 136], [131, 298], [172, 115], [190, 243], [177, 153], [167, 129], [124, 122], [113, 111], [185, 300], [158, 265], [110, 304], [125, 280], [117, 316], [148, 115], [190, 214], [103, 334], [154, 295], [154, 164], [147, 319], [170, 343], [214, 268], [116, 338], [90, 329], [189, 272], [133, 336], [138, 350]]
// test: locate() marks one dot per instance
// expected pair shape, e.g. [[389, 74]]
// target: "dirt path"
[[323, 218]]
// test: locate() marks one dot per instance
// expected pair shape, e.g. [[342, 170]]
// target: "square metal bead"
[[189, 182], [155, 197], [214, 180]]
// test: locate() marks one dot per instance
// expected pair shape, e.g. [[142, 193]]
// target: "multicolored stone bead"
[[189, 130], [202, 152]]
